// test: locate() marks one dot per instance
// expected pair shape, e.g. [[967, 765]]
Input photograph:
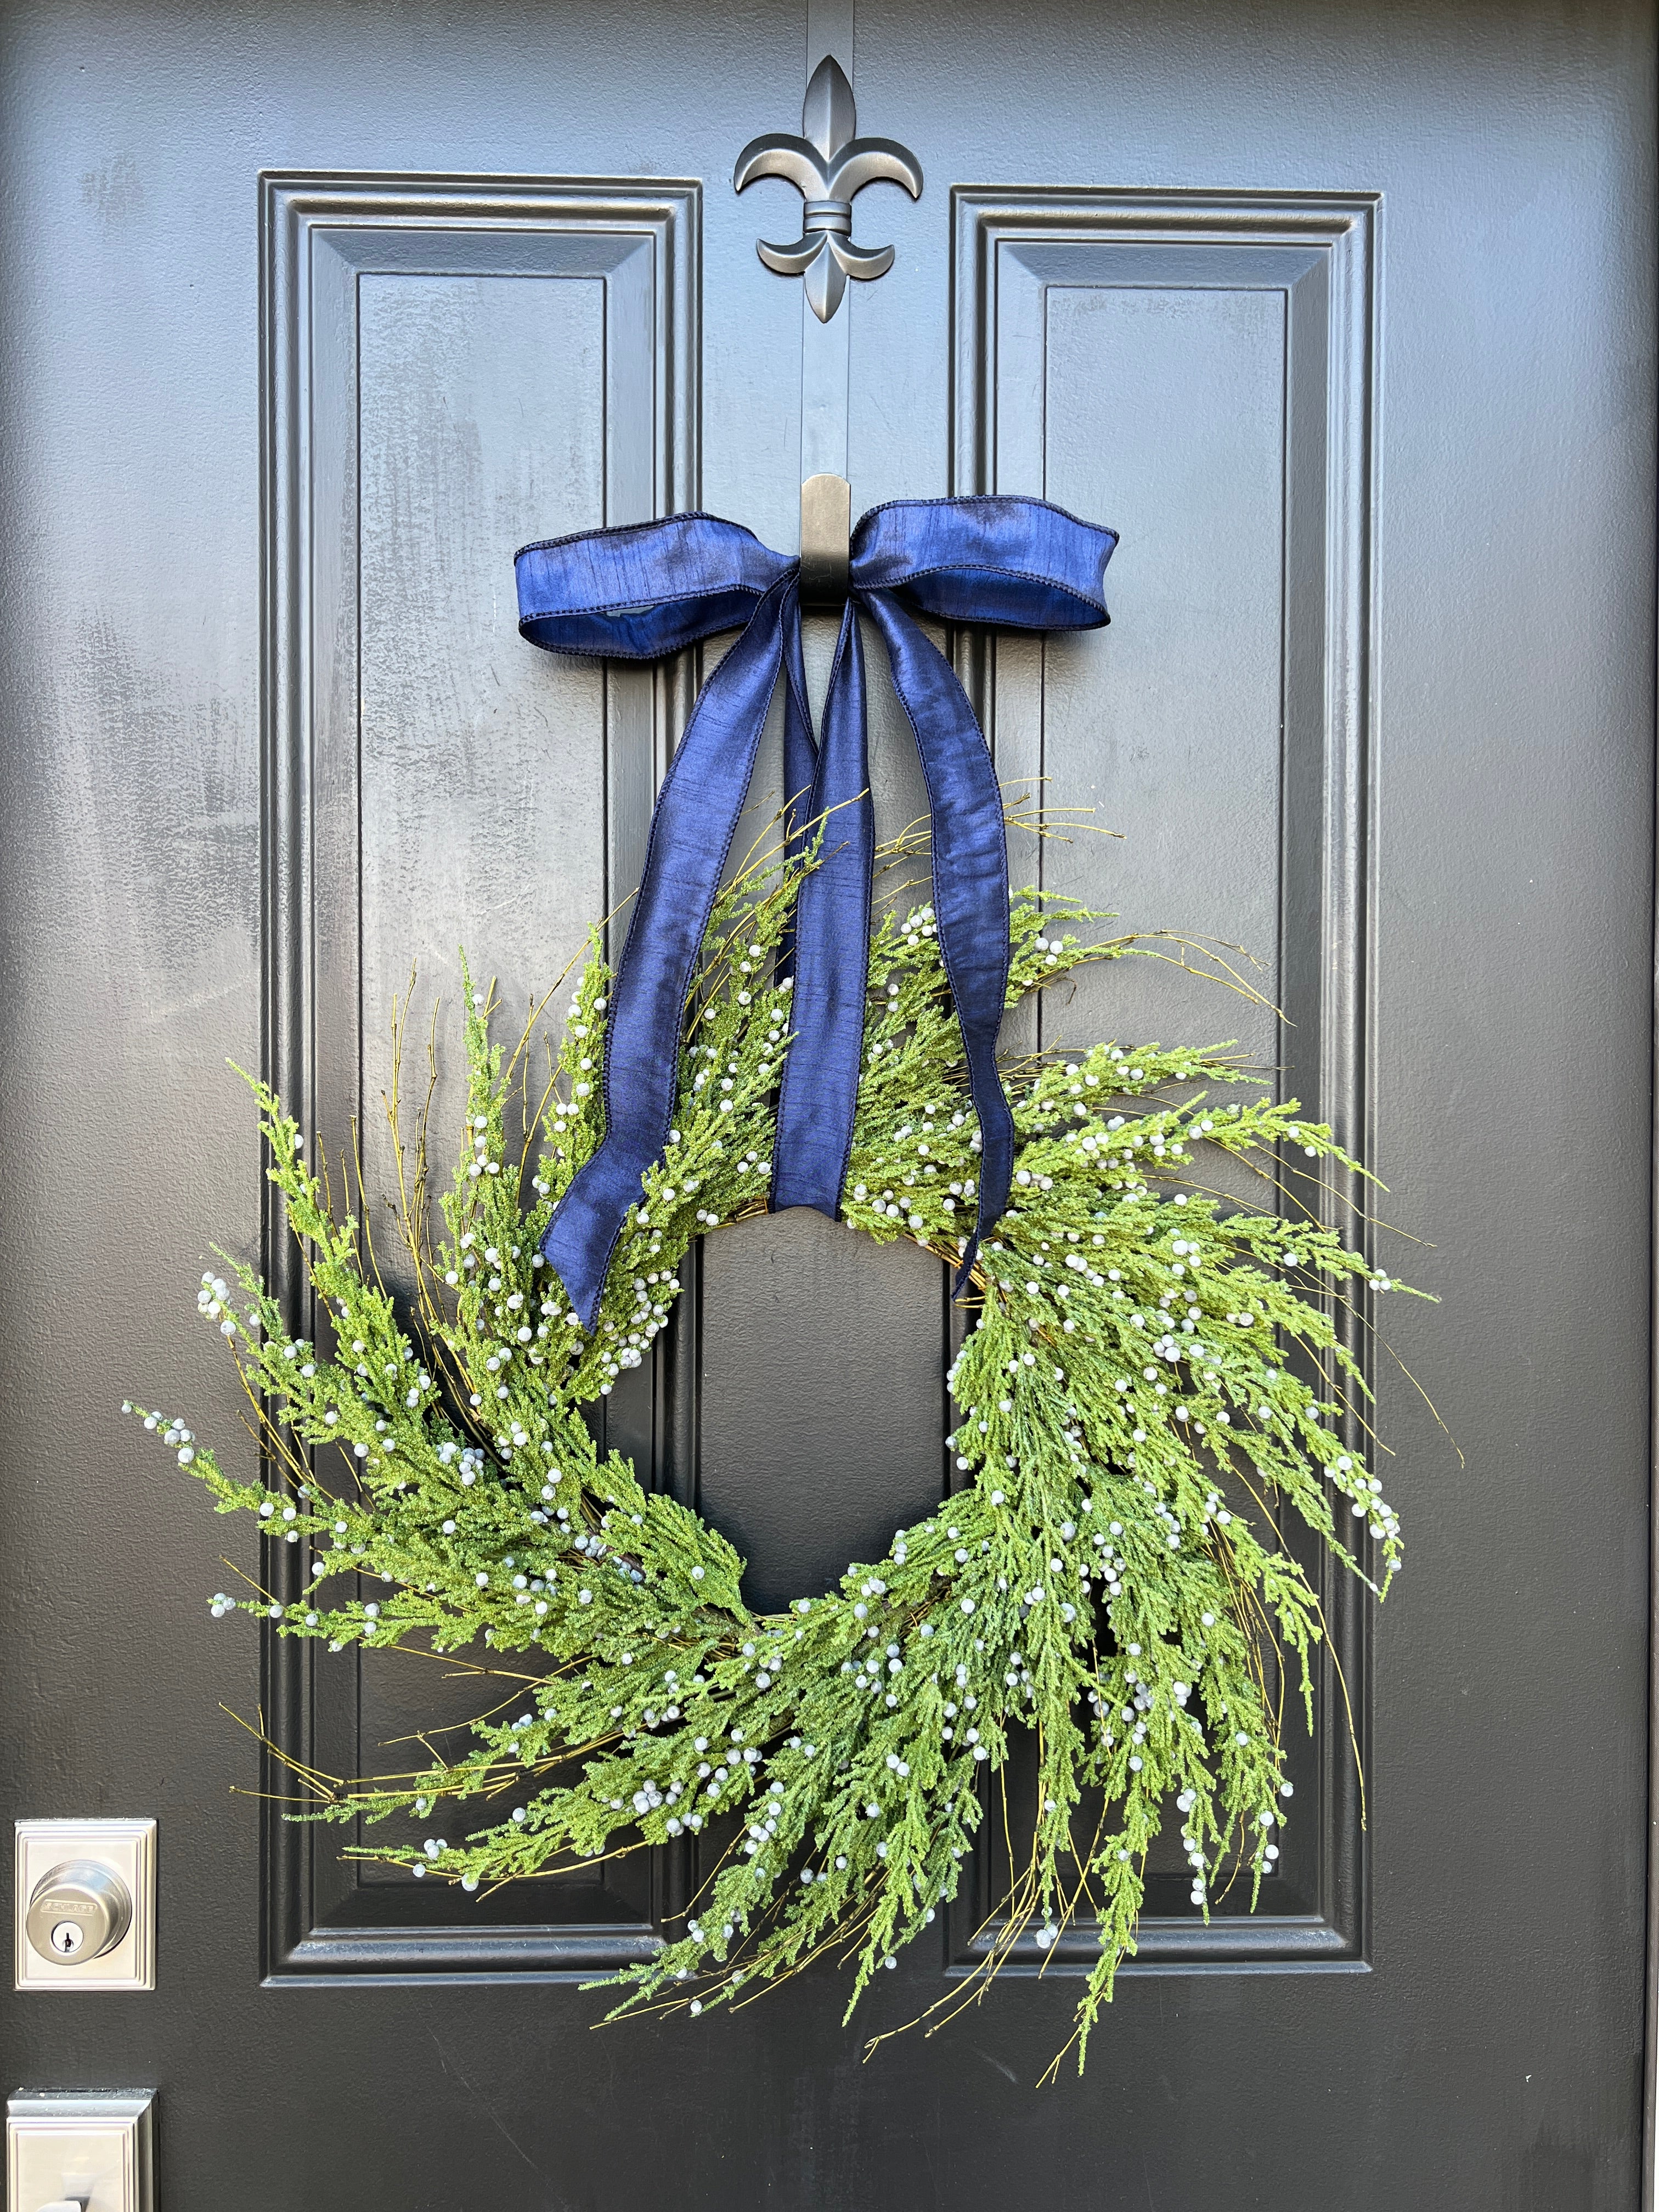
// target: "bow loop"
[[1016, 563], [645, 590], [650, 589]]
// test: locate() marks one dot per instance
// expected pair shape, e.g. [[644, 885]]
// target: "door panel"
[[431, 787], [1200, 374], [1344, 317]]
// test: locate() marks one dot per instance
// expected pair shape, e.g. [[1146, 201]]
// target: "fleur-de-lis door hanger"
[[828, 164]]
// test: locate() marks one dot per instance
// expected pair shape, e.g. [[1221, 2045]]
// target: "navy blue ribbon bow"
[[651, 588]]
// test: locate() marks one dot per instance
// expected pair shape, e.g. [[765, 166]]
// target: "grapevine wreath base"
[[1135, 1373]]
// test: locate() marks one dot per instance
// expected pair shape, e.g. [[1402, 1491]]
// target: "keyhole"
[[67, 1938]]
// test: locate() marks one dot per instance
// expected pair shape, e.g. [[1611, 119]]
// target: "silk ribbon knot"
[[649, 589]]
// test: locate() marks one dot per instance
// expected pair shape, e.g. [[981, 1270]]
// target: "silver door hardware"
[[92, 2153], [85, 1905], [826, 526], [78, 1911]]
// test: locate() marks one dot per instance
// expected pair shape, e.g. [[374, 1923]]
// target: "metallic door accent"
[[79, 1911], [826, 529], [95, 2152], [828, 164], [99, 1872]]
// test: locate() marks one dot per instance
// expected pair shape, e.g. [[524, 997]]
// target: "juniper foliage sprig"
[[1144, 1352]]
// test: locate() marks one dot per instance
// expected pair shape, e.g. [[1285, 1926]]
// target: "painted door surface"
[[1344, 318]]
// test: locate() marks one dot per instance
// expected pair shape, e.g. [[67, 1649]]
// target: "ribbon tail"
[[691, 833], [970, 882], [819, 1094]]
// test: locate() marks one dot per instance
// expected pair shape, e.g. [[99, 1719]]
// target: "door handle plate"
[[93, 2153]]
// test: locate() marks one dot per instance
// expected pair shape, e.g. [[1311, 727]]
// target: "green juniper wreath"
[[1132, 1369]]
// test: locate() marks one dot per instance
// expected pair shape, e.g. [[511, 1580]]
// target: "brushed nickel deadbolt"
[[79, 1909], [84, 1907]]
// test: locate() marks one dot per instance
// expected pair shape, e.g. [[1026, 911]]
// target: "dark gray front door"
[[1344, 318]]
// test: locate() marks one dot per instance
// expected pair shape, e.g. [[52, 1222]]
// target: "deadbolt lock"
[[83, 1905], [78, 1911]]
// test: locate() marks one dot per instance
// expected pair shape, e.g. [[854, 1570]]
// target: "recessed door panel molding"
[[452, 366], [1198, 370]]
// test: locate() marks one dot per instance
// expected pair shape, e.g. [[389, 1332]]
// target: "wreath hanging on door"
[[1148, 1364], [1093, 1585]]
